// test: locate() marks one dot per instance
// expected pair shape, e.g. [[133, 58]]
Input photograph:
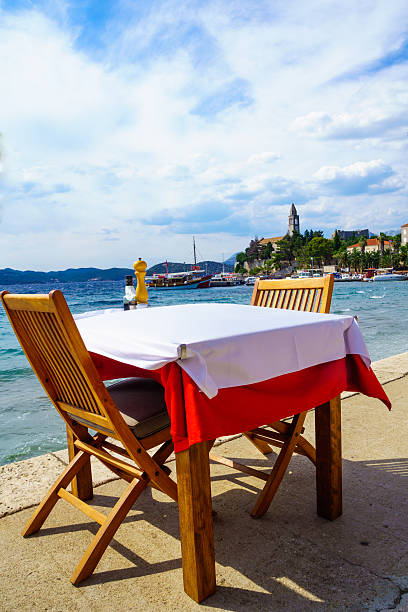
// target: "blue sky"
[[127, 127]]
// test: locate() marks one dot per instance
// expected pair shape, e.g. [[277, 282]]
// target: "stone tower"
[[293, 221]]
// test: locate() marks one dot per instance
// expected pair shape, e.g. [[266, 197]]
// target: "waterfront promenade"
[[288, 560]]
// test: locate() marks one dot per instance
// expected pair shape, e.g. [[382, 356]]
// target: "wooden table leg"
[[81, 485], [196, 526], [328, 459]]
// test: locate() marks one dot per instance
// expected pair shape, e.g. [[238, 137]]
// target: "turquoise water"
[[29, 423]]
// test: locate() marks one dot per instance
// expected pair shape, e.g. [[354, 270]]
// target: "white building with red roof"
[[373, 245], [404, 234]]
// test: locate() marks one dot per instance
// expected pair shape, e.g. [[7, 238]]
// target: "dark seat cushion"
[[141, 403]]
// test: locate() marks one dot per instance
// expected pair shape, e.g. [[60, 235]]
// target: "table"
[[213, 360]]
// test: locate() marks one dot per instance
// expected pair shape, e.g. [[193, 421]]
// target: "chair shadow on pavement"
[[290, 559]]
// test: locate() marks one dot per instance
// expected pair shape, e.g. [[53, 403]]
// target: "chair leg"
[[81, 485], [305, 448], [267, 494], [262, 446], [49, 501], [108, 529]]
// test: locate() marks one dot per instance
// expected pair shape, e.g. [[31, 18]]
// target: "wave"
[[376, 297], [11, 351], [10, 375]]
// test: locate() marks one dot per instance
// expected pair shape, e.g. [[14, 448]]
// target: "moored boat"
[[192, 279], [225, 279], [390, 277]]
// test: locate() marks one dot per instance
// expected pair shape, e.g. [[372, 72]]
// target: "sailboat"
[[192, 279]]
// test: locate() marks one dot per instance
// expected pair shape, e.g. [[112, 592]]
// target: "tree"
[[302, 257], [404, 255], [254, 249], [355, 259], [370, 259], [395, 248], [345, 258], [321, 249], [241, 257], [375, 259], [385, 260], [277, 260], [336, 241], [267, 251], [363, 243], [255, 270], [240, 269], [285, 250], [382, 239]]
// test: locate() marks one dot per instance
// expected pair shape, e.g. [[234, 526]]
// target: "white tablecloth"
[[222, 345]]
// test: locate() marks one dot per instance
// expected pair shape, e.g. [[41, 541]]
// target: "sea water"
[[29, 423]]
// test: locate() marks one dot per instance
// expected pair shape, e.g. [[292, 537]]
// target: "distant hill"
[[212, 267], [231, 260], [8, 276]]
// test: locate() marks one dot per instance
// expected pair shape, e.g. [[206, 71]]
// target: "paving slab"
[[289, 560], [24, 483]]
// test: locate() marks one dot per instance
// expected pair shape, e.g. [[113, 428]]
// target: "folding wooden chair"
[[132, 412], [311, 295]]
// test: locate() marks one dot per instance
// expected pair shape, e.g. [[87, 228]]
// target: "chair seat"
[[141, 403]]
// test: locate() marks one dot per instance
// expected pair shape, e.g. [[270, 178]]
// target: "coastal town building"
[[294, 226], [373, 245], [274, 241], [347, 234], [404, 234]]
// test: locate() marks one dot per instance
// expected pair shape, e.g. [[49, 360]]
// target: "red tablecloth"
[[196, 418]]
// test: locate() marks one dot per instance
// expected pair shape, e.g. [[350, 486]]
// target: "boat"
[[250, 280], [304, 274], [225, 279], [383, 274], [192, 279], [390, 277]]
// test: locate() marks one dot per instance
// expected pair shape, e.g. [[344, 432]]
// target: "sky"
[[127, 127]]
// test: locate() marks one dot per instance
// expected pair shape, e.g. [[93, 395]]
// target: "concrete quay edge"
[[24, 483]]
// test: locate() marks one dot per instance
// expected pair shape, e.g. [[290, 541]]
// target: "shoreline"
[[24, 483]]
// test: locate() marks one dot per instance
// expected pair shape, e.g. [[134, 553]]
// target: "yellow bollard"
[[141, 290]]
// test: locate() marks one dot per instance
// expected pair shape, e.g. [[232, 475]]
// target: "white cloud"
[[97, 142], [360, 177], [266, 157], [371, 123]]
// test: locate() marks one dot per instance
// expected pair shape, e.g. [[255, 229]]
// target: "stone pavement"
[[288, 560]]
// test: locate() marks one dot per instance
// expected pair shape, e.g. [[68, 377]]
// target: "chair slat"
[[275, 299], [27, 319], [318, 299], [71, 369], [292, 301]]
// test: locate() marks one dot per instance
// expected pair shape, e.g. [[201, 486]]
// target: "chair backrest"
[[306, 294], [51, 341]]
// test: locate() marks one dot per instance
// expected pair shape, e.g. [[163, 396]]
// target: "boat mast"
[[195, 256]]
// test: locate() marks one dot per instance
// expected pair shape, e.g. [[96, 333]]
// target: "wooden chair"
[[310, 295], [132, 412]]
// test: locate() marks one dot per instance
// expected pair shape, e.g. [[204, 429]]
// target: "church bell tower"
[[293, 221]]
